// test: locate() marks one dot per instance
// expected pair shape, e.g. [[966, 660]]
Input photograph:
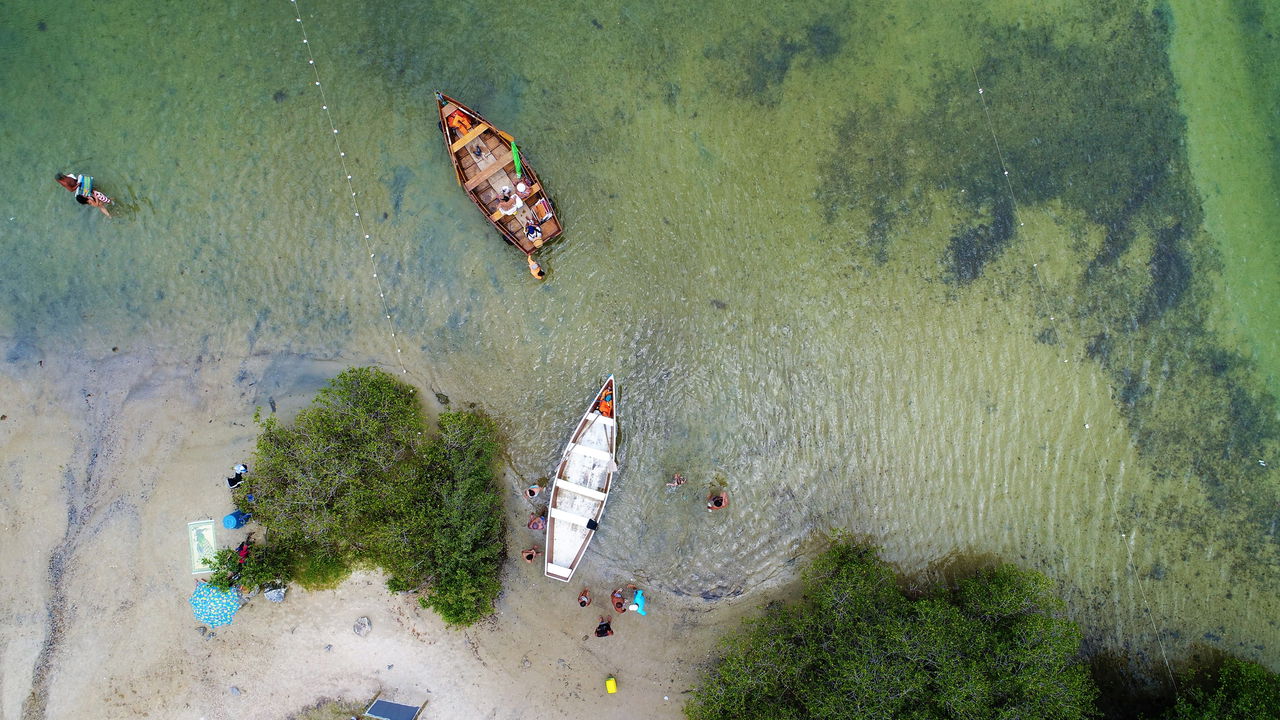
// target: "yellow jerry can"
[[611, 685]]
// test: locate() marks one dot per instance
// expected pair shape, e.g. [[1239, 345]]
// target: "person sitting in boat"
[[82, 186], [459, 121], [717, 501], [533, 232], [509, 204], [606, 405], [523, 189]]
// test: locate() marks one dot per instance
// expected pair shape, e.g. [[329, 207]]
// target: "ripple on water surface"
[[790, 238]]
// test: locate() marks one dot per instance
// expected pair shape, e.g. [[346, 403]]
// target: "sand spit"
[[107, 460]]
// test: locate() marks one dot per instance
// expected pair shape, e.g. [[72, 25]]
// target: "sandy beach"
[[101, 483]]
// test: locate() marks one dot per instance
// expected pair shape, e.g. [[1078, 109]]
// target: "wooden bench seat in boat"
[[581, 490], [566, 516], [475, 133], [500, 161], [588, 451], [562, 571]]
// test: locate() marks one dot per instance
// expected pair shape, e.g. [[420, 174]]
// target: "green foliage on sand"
[[265, 566], [1241, 691], [857, 647], [356, 479]]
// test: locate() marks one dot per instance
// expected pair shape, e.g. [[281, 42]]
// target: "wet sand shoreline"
[[104, 479]]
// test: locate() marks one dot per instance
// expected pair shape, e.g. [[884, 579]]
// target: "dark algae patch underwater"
[[1088, 125]]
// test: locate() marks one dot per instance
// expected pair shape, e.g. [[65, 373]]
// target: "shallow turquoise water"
[[771, 241]]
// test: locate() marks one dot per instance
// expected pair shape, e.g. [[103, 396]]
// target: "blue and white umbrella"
[[214, 607]]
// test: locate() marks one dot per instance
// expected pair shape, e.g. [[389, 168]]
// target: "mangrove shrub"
[[857, 647], [1242, 690], [356, 478]]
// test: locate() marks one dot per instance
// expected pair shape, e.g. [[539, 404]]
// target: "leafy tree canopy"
[[355, 477], [857, 647]]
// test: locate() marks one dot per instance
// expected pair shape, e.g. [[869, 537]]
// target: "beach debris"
[[235, 690], [328, 648], [275, 595], [202, 630], [440, 397], [362, 627]]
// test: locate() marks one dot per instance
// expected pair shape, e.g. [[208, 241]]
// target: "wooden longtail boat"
[[493, 171], [582, 485]]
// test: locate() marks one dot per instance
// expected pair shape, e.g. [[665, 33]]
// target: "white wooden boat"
[[581, 485]]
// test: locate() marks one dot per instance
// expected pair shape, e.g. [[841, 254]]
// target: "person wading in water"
[[82, 186]]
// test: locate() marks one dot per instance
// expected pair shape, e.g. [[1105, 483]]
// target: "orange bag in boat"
[[606, 408], [460, 122]]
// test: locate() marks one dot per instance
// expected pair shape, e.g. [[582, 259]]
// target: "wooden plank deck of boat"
[[484, 163]]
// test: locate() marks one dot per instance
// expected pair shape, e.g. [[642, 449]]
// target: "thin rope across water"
[[1126, 539], [365, 235]]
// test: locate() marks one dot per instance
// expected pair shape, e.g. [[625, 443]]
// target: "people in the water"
[[717, 501], [676, 480], [535, 269], [82, 186]]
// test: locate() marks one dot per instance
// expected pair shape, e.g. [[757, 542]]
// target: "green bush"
[[265, 566], [1242, 691], [354, 479], [857, 647]]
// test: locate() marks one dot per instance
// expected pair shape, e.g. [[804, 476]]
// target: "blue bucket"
[[235, 520]]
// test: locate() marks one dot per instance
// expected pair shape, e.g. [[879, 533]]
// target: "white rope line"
[[1125, 539], [991, 126], [355, 203], [1137, 579]]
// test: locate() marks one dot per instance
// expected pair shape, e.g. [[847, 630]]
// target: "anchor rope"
[[1125, 539], [365, 235]]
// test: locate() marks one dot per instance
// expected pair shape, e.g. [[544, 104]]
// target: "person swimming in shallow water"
[[717, 501], [82, 186]]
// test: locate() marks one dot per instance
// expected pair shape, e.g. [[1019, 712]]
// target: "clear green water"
[[789, 236]]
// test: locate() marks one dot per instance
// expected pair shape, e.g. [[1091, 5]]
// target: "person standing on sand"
[[584, 598], [537, 522], [530, 554], [604, 629], [637, 600], [619, 604]]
